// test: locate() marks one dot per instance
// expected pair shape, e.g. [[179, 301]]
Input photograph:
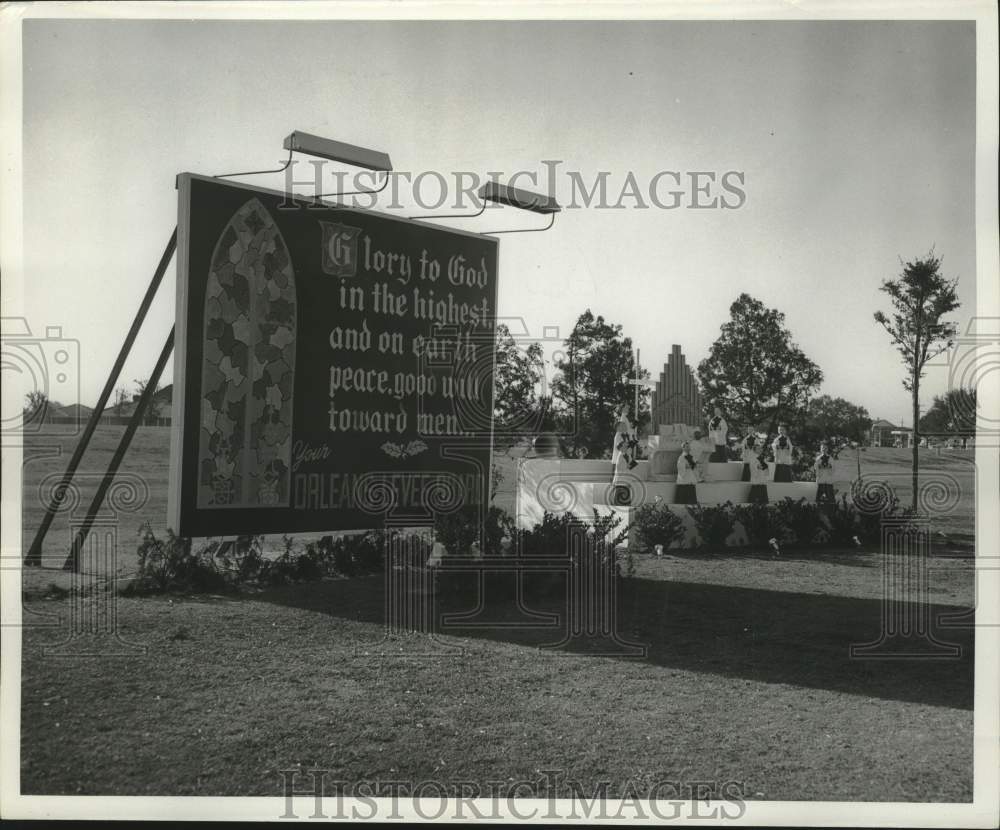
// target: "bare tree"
[[121, 400]]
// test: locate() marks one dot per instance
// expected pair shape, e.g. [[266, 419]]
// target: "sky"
[[855, 141]]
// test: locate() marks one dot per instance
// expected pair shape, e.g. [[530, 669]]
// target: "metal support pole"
[[73, 560], [34, 556]]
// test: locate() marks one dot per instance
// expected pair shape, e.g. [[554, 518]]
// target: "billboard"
[[333, 366]]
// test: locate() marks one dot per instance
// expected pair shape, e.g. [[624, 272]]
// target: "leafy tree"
[[592, 383], [826, 417], [920, 298], [953, 413], [517, 408], [754, 370], [155, 404]]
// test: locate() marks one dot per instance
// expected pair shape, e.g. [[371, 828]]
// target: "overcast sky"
[[856, 143]]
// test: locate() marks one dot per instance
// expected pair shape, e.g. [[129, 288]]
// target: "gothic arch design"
[[248, 366]]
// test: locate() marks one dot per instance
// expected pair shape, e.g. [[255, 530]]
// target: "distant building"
[[122, 414], [887, 434], [77, 411]]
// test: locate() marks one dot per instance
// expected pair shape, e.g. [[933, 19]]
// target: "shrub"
[[281, 569], [308, 564], [609, 527], [410, 550], [599, 548], [294, 565], [343, 563], [873, 502], [171, 565], [549, 537], [546, 538], [870, 525], [499, 525], [324, 551], [458, 530], [655, 525], [242, 560], [842, 521], [368, 551], [801, 517], [714, 523], [762, 523]]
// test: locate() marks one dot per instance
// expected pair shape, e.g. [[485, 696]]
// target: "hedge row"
[[801, 522]]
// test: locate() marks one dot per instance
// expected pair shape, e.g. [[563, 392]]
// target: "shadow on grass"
[[761, 635]]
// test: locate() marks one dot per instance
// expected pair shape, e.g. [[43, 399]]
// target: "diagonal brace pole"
[[73, 560], [34, 555]]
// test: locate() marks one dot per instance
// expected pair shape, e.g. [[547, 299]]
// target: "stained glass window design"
[[248, 366]]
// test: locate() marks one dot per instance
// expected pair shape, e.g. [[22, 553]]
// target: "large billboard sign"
[[332, 365]]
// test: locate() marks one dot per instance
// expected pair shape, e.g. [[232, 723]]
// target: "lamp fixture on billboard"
[[502, 194], [523, 200], [327, 148], [515, 197]]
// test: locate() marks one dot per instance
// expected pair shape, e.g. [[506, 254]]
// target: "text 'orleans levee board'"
[[333, 366]]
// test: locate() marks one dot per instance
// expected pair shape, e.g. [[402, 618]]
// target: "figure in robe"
[[623, 458], [752, 448], [760, 474], [824, 475], [687, 476], [701, 449], [782, 447], [718, 433]]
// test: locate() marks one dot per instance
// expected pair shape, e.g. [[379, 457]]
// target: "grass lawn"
[[745, 677], [739, 683]]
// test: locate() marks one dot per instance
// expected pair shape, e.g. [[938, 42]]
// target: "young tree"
[[920, 298], [754, 371], [592, 383], [517, 407]]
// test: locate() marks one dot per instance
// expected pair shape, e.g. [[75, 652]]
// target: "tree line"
[[755, 372]]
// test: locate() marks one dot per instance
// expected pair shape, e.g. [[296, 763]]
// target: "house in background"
[[887, 434], [159, 416]]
